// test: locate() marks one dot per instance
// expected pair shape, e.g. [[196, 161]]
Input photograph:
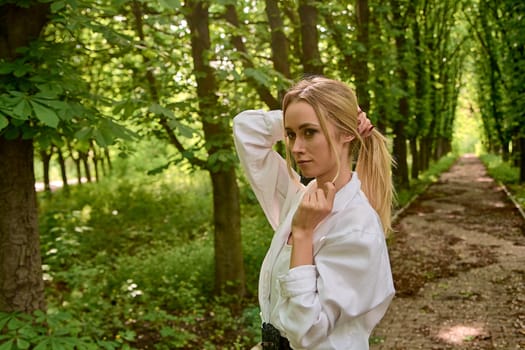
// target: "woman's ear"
[[346, 137]]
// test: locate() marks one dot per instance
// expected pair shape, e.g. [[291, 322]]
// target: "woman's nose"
[[297, 146]]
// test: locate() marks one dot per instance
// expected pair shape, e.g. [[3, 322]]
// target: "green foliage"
[[507, 174], [425, 179], [500, 170], [31, 94], [131, 257], [43, 331], [468, 131]]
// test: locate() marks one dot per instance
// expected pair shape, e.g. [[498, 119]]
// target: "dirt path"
[[458, 260]]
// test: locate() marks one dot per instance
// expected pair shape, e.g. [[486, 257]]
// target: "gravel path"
[[458, 259]]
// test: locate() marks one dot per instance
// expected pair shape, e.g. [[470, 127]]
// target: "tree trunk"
[[229, 267], [515, 154], [79, 170], [494, 77], [400, 172], [229, 260], [421, 108], [95, 160], [63, 170], [522, 159], [279, 42], [21, 284], [414, 170], [84, 158], [21, 287], [425, 147], [76, 160], [311, 59], [108, 159], [46, 159], [361, 62], [400, 148]]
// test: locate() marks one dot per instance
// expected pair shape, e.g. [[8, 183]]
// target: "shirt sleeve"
[[255, 132], [351, 279]]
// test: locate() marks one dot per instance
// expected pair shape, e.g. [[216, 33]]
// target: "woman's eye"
[[309, 132], [290, 135]]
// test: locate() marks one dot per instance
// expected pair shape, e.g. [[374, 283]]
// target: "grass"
[[424, 179], [132, 259], [505, 173]]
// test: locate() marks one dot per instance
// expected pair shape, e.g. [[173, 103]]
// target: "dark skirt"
[[272, 339]]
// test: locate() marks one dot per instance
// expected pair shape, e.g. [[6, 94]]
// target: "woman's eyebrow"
[[303, 126]]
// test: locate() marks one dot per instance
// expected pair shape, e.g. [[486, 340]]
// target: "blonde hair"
[[335, 101]]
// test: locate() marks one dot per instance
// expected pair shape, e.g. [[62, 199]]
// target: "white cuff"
[[298, 280]]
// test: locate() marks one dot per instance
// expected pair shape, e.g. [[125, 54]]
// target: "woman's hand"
[[364, 125], [314, 207]]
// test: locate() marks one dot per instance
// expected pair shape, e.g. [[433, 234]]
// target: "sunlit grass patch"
[[424, 179], [507, 174], [500, 170]]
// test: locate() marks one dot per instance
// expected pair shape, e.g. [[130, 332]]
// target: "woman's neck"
[[342, 179]]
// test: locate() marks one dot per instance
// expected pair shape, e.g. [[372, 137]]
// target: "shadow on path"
[[458, 259]]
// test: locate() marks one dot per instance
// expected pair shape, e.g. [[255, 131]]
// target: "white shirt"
[[335, 303]]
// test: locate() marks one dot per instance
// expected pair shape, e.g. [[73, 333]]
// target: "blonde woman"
[[326, 280]]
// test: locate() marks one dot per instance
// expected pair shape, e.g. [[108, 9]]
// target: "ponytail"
[[374, 164]]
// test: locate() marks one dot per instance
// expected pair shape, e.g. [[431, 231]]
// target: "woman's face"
[[308, 144]]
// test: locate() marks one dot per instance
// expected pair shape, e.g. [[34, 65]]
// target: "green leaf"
[[15, 323], [168, 332], [49, 89], [159, 110], [73, 4], [57, 6], [119, 106], [21, 70], [258, 75], [42, 345], [129, 335], [100, 138], [4, 318], [121, 131], [40, 316], [11, 133], [56, 344], [6, 67], [53, 104], [45, 115], [170, 4], [22, 110], [84, 133], [3, 124], [22, 343], [184, 130], [46, 94], [7, 346]]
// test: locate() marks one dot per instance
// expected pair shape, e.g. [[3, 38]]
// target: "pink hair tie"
[[364, 126]]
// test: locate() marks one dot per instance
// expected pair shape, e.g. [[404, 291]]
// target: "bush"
[[132, 260], [500, 170], [42, 331], [425, 179]]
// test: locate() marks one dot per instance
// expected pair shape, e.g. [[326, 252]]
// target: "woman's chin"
[[307, 175]]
